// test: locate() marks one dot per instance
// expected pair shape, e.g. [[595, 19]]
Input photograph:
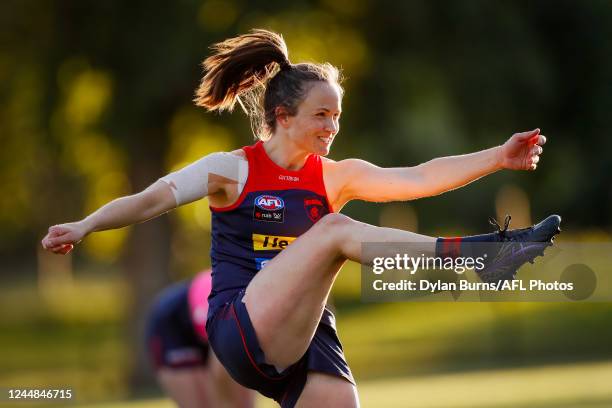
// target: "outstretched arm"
[[205, 177], [521, 152], [155, 200], [368, 182]]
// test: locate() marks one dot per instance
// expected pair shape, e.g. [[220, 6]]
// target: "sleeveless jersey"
[[275, 207]]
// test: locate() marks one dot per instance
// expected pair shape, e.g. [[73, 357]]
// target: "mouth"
[[326, 140]]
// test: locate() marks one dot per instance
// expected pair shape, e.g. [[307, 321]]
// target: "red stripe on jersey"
[[265, 175]]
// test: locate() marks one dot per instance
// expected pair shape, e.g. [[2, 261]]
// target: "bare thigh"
[[324, 390]]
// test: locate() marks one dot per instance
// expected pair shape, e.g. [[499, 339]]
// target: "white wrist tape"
[[191, 182]]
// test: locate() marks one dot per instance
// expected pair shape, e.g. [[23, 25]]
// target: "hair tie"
[[285, 65]]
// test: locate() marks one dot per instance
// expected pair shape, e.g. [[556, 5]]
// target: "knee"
[[334, 229]]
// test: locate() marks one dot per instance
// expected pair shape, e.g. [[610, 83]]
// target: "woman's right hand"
[[61, 238]]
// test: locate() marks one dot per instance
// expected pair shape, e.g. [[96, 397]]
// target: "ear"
[[282, 116]]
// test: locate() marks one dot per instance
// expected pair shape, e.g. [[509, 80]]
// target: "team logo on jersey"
[[269, 208], [315, 208], [270, 242]]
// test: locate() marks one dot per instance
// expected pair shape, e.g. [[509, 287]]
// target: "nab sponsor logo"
[[269, 202], [270, 242]]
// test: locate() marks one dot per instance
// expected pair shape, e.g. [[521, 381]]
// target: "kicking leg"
[[285, 299]]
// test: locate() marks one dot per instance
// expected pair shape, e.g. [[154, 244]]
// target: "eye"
[[321, 114]]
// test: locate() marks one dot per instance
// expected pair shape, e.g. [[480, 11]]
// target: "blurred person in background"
[[178, 347], [278, 241]]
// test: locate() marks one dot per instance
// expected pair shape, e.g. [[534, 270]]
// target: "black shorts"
[[170, 337], [232, 337]]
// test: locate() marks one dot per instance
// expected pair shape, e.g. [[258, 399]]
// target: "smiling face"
[[317, 121]]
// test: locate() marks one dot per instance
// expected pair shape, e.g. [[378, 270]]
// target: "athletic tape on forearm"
[[191, 182]]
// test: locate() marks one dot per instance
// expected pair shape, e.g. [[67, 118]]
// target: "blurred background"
[[96, 103]]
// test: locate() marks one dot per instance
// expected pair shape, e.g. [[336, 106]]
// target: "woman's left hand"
[[522, 151]]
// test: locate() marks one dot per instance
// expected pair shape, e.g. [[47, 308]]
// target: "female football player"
[[278, 240]]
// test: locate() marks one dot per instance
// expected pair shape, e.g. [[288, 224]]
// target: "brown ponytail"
[[237, 65], [254, 70]]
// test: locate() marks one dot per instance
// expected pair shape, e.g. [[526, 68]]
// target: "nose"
[[332, 126]]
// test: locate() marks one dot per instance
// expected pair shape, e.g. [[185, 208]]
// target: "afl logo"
[[269, 202]]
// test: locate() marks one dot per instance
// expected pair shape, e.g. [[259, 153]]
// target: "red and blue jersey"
[[275, 207]]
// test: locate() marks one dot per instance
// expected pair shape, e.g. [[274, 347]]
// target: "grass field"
[[410, 354], [554, 386]]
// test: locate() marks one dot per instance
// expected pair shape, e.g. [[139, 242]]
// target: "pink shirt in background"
[[198, 302]]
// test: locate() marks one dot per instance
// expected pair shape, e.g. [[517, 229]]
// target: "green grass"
[[551, 386], [74, 334], [69, 336], [422, 338]]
